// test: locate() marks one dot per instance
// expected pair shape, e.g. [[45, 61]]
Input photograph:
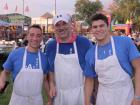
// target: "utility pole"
[[55, 6], [23, 18], [23, 7]]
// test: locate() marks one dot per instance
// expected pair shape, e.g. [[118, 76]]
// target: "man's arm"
[[47, 89], [3, 77], [88, 89], [52, 84], [137, 43], [95, 90], [136, 65]]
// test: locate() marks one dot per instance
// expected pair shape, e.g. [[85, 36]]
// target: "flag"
[[127, 21], [16, 8], [26, 9], [116, 22], [6, 7]]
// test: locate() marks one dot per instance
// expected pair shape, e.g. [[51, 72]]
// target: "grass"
[[5, 97]]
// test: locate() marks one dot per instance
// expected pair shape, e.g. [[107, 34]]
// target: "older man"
[[66, 56]]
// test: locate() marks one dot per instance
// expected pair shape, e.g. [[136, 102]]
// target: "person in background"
[[113, 60], [66, 56], [28, 67], [136, 39], [24, 40]]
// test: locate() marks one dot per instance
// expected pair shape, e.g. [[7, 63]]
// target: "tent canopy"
[[47, 15], [3, 23]]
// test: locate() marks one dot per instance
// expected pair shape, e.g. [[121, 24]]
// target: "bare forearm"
[[52, 85], [52, 79], [47, 89], [3, 76], [137, 43], [137, 82], [89, 84], [136, 66], [46, 84]]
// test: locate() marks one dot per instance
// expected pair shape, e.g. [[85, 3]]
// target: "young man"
[[27, 65], [66, 56], [112, 59]]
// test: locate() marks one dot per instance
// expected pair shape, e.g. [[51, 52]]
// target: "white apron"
[[28, 85], [69, 79], [115, 85]]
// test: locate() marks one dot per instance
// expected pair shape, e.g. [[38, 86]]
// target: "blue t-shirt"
[[15, 60], [125, 49], [82, 43]]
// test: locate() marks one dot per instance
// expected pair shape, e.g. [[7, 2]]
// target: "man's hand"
[[3, 78], [135, 102], [52, 91], [2, 84], [49, 102]]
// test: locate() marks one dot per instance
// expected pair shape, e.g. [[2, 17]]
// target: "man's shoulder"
[[18, 50], [122, 42], [50, 46], [83, 40], [121, 38], [52, 42], [16, 54]]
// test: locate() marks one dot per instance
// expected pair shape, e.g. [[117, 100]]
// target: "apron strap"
[[25, 57], [113, 45], [57, 48], [39, 58], [113, 48], [96, 50], [75, 49]]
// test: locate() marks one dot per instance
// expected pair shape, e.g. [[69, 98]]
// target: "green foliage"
[[86, 8], [124, 9], [137, 23], [5, 97]]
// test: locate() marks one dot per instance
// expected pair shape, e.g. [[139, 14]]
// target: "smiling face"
[[34, 38], [63, 30], [100, 31]]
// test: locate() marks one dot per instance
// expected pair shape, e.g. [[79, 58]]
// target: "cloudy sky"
[[39, 7]]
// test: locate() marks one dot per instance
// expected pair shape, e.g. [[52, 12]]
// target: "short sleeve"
[[8, 64], [45, 64], [89, 70], [132, 50], [50, 53]]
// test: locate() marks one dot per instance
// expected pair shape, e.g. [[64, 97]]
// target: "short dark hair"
[[99, 16], [35, 26]]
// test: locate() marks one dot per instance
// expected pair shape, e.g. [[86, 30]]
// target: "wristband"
[[137, 97]]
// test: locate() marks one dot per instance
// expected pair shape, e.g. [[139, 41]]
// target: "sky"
[[39, 7]]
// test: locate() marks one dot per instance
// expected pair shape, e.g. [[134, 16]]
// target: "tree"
[[85, 9], [124, 9]]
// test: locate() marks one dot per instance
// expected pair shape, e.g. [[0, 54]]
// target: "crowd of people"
[[73, 69]]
